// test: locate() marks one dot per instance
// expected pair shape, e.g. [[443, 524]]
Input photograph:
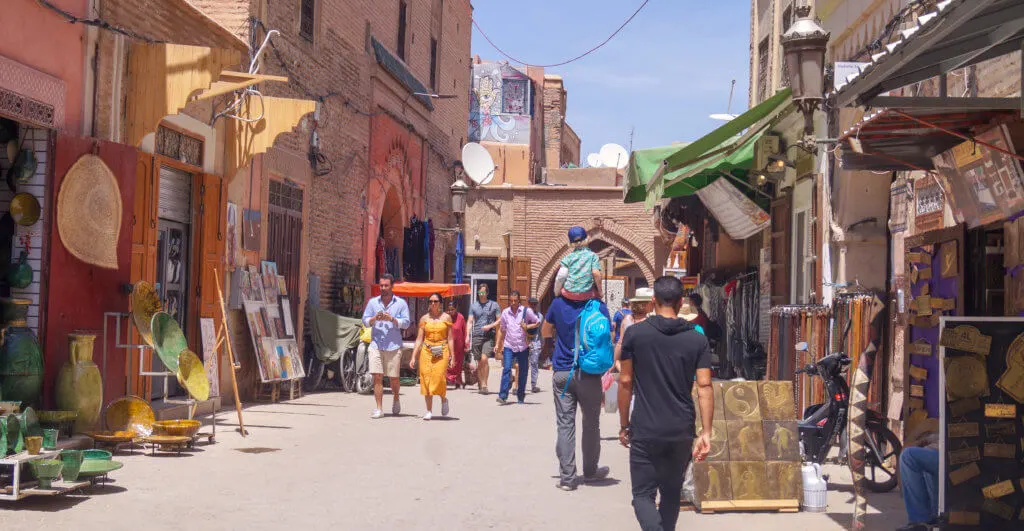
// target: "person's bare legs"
[[482, 372], [396, 387], [378, 390], [429, 401]]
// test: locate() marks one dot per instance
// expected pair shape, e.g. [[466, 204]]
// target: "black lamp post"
[[804, 46]]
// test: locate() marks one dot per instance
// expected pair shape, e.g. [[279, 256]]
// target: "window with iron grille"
[[179, 146], [787, 21], [402, 10], [307, 14], [762, 70], [284, 233]]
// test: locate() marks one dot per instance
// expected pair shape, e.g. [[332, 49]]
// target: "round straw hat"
[[89, 212]]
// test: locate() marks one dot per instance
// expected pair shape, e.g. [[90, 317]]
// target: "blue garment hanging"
[[460, 257]]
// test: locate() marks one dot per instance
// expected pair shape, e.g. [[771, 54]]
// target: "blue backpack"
[[594, 353]]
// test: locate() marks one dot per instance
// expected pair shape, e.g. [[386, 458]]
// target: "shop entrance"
[[174, 241], [284, 235]]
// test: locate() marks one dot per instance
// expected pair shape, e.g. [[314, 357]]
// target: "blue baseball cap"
[[577, 234]]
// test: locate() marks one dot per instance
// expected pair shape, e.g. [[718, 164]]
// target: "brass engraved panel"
[[782, 443], [749, 480], [719, 441], [784, 480], [777, 400], [741, 401], [714, 481], [746, 441]]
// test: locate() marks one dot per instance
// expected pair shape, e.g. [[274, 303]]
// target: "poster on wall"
[[899, 196], [270, 325], [233, 240], [208, 331], [929, 205]]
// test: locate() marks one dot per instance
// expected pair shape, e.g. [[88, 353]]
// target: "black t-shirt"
[[666, 354]]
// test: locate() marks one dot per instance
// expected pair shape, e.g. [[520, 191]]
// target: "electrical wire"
[[96, 23], [572, 60]]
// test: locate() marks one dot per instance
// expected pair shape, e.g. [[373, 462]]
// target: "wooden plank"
[[245, 75], [783, 506]]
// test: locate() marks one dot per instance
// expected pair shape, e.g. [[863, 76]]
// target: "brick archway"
[[605, 230]]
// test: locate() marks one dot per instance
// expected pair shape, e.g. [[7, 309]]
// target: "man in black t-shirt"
[[663, 355]]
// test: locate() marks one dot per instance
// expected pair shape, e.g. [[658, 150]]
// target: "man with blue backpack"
[[583, 353]]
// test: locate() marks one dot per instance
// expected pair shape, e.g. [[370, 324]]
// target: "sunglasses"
[[432, 301]]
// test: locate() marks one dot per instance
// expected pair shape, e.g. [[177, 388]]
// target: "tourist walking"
[[619, 317], [480, 332], [574, 388], [662, 356], [511, 346], [536, 344], [579, 275], [433, 353], [639, 307], [455, 377], [388, 315]]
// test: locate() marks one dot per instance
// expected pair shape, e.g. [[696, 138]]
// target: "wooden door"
[[781, 249], [521, 279]]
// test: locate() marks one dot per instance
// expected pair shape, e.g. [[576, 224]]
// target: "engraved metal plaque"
[[920, 348], [713, 480], [749, 481], [964, 456], [1000, 450], [966, 377], [1012, 380], [998, 508], [917, 391], [746, 441], [925, 273], [1001, 429], [998, 490], [966, 338], [782, 443], [964, 473], [784, 480], [918, 373], [741, 401], [963, 429], [964, 518], [1001, 411], [777, 402], [923, 304], [948, 260], [915, 258], [963, 407], [719, 441]]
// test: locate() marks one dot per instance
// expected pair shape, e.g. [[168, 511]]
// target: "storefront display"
[[792, 325], [982, 483], [21, 358], [89, 212], [79, 384], [277, 355]]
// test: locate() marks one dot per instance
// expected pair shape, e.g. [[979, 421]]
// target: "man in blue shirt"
[[617, 320], [388, 315], [584, 390]]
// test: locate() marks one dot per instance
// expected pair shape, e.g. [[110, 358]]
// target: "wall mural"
[[499, 105]]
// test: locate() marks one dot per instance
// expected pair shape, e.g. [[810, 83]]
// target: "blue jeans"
[[919, 474], [510, 357]]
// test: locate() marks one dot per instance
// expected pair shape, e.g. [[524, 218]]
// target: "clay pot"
[[72, 460], [21, 359], [79, 383], [34, 445]]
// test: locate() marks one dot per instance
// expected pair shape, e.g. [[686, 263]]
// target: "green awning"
[[678, 170]]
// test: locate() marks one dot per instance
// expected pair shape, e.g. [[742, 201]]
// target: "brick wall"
[[554, 119]]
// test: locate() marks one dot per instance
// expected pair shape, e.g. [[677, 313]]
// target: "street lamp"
[[804, 47], [459, 189]]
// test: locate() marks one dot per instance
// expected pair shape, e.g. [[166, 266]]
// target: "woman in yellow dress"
[[434, 345]]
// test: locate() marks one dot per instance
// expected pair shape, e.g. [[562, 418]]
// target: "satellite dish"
[[722, 116], [478, 163], [614, 156], [594, 160]]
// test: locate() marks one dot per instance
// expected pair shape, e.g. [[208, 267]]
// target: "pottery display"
[[72, 460], [192, 375], [19, 274], [168, 339], [25, 210], [112, 437], [30, 426], [63, 421], [186, 428], [145, 304], [49, 439], [131, 414], [46, 470], [21, 359], [97, 467], [10, 433], [34, 445], [96, 453], [22, 170], [79, 385]]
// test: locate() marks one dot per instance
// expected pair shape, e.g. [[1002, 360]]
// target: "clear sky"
[[663, 74]]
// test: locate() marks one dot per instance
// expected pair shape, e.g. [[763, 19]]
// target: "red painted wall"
[[79, 293], [39, 38]]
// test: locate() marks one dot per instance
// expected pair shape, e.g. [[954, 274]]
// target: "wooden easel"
[[223, 337]]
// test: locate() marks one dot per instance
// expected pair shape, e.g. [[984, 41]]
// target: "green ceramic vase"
[[19, 275], [79, 383], [72, 460], [21, 359]]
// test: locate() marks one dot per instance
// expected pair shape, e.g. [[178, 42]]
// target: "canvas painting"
[[209, 336]]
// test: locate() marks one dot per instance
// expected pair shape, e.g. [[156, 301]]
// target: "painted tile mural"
[[499, 106]]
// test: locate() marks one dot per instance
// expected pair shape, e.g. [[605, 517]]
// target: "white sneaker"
[[396, 408], [444, 408], [376, 414], [428, 416]]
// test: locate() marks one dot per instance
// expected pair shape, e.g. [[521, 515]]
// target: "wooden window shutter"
[[212, 228], [503, 282], [144, 243], [781, 249], [521, 283]]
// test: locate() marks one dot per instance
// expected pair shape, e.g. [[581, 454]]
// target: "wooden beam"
[[248, 139], [244, 75], [947, 104]]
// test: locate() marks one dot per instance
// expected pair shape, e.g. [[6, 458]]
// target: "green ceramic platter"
[[168, 339], [30, 426], [96, 454], [98, 467]]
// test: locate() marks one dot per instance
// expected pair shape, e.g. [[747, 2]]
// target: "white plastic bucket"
[[815, 489]]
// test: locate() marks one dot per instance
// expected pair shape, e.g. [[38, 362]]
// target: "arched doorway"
[[631, 271], [390, 234]]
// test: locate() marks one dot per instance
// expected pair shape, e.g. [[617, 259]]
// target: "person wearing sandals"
[[434, 347]]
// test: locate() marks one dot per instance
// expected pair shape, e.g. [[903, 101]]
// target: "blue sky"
[[663, 74]]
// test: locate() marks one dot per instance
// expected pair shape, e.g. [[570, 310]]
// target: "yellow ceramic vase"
[[79, 383]]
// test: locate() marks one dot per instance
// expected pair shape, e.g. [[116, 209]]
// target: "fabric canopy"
[[736, 213], [421, 289], [682, 169]]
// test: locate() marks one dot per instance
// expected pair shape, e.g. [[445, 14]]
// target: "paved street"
[[320, 462]]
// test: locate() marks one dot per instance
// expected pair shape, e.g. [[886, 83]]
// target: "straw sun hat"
[[89, 212]]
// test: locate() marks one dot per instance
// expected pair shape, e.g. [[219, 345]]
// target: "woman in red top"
[[454, 374]]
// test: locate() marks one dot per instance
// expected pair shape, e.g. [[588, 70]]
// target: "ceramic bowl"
[[185, 428], [46, 470], [96, 453], [192, 375], [145, 304], [112, 436], [72, 460], [168, 339], [130, 413], [97, 467], [25, 209]]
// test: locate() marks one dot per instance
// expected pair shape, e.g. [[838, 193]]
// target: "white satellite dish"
[[594, 160], [722, 116], [478, 163], [614, 156]]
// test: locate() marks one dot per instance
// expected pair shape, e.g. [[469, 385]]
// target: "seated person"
[[919, 477], [579, 276]]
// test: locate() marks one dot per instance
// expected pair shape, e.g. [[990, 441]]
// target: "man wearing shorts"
[[388, 315], [483, 319]]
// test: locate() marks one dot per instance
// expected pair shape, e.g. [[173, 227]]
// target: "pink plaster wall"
[[39, 38]]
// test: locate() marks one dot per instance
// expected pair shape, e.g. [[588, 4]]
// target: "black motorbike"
[[824, 425]]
